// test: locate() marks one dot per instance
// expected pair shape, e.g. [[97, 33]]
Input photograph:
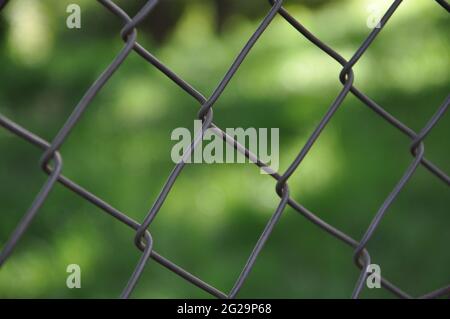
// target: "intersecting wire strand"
[[417, 139], [24, 223], [143, 239], [33, 139]]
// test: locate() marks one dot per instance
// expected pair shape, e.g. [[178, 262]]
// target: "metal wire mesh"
[[51, 161]]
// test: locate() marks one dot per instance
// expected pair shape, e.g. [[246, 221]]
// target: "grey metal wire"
[[52, 163]]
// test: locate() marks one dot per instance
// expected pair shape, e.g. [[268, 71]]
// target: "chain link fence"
[[52, 164]]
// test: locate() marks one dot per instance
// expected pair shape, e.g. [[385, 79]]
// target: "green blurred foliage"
[[120, 150]]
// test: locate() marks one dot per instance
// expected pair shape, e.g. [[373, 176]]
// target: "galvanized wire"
[[52, 163]]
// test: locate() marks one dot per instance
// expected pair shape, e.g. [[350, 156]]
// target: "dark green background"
[[120, 150]]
